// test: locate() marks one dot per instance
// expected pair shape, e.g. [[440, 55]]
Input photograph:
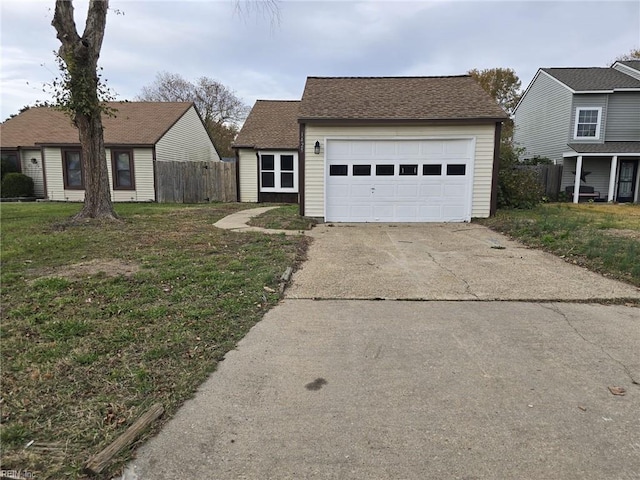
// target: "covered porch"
[[607, 172]]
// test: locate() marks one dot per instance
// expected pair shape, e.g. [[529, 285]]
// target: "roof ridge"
[[391, 77], [271, 100]]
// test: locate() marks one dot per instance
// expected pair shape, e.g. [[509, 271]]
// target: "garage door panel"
[[419, 195], [384, 190], [408, 191], [360, 191], [338, 148], [431, 190], [454, 190], [409, 147], [457, 147], [383, 149]]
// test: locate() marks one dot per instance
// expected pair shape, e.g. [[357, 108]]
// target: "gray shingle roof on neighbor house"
[[271, 124], [134, 123], [397, 99], [592, 78], [607, 147], [635, 64]]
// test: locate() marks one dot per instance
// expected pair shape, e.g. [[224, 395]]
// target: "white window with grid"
[[588, 122]]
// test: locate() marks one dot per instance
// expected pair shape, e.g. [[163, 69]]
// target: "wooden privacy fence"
[[195, 182], [549, 176]]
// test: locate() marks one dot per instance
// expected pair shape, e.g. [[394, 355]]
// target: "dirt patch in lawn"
[[624, 233], [76, 271]]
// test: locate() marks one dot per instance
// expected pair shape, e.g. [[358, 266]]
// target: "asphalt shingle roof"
[[592, 78], [635, 64], [134, 123], [270, 124], [607, 147], [397, 98]]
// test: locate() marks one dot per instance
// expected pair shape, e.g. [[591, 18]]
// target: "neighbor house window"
[[122, 169], [72, 169], [279, 172], [11, 162], [588, 123]]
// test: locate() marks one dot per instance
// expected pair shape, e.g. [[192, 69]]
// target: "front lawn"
[[602, 237], [283, 218], [100, 321]]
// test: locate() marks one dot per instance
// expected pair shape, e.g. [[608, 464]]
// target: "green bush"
[[16, 185], [518, 187]]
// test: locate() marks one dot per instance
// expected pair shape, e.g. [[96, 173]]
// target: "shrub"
[[518, 187], [16, 185]]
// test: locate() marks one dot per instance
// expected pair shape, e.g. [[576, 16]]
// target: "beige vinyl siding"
[[143, 178], [588, 100], [185, 141], [483, 162], [143, 171], [55, 178], [33, 170], [248, 175], [543, 119], [623, 117]]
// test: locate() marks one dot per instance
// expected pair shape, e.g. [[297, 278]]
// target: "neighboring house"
[[376, 149], [43, 143], [589, 120]]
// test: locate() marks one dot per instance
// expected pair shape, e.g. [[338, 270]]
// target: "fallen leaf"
[[617, 391]]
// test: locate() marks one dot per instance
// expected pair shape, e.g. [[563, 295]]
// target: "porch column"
[[612, 178], [576, 183]]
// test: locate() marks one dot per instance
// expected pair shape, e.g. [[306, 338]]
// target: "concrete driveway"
[[440, 262], [363, 389]]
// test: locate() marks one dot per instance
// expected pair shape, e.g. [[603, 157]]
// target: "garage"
[[399, 180]]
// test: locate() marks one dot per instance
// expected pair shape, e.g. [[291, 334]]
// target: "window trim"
[[598, 123], [65, 173], [114, 171], [277, 171]]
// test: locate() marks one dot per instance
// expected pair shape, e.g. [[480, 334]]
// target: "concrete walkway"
[[238, 222]]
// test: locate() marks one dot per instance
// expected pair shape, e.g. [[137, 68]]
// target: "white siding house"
[[376, 149], [136, 137]]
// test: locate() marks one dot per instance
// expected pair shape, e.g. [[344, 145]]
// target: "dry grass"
[[100, 321], [602, 237]]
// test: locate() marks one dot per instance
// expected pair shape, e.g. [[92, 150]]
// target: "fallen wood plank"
[[98, 462]]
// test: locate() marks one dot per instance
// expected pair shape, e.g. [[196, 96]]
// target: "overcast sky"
[[262, 58]]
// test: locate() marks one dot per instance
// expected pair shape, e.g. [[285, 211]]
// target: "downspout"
[[258, 176], [44, 175], [155, 173], [237, 150], [301, 165], [496, 170]]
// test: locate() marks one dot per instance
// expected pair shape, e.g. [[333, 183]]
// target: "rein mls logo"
[[16, 474]]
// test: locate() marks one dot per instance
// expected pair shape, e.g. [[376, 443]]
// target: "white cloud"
[[261, 59]]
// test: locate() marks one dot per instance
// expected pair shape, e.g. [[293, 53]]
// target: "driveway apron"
[[334, 385]]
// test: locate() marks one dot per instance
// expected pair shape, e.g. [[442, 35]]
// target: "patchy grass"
[[604, 238], [283, 218], [100, 321]]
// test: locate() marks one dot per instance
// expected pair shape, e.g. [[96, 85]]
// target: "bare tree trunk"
[[80, 55]]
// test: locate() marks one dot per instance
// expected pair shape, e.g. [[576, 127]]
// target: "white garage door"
[[398, 180]]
